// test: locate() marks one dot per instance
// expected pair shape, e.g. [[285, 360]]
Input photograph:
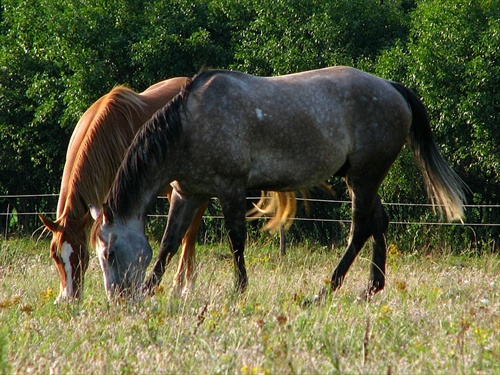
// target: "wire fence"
[[414, 226], [9, 212]]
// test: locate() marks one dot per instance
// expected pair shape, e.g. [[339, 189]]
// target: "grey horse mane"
[[150, 148]]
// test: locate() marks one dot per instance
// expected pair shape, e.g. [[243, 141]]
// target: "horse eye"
[[107, 244], [108, 255]]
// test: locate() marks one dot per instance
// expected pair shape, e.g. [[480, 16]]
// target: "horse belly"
[[291, 169], [297, 148]]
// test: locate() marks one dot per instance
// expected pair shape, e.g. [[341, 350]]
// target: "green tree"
[[29, 144], [55, 60], [291, 36], [180, 37], [451, 60]]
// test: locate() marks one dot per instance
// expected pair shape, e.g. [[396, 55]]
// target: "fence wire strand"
[[325, 201]]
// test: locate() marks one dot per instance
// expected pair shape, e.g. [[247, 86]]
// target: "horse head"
[[123, 252], [68, 249]]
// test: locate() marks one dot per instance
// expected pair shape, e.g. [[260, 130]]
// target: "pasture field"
[[439, 314]]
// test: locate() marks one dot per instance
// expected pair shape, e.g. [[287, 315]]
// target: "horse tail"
[[279, 206], [444, 187]]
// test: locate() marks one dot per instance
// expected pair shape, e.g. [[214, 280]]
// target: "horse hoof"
[[367, 294], [364, 296], [241, 286], [316, 300]]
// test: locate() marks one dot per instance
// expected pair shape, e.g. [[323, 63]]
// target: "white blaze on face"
[[66, 252]]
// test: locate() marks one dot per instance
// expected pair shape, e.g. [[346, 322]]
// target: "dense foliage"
[[57, 58]]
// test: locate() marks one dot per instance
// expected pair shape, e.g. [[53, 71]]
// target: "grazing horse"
[[96, 150], [228, 132]]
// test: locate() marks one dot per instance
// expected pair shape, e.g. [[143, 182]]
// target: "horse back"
[[159, 94], [311, 122]]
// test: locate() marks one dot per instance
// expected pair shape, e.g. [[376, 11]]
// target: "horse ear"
[[94, 211], [107, 214], [49, 224]]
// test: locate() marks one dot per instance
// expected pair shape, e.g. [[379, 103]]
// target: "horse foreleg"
[[185, 277], [234, 209], [181, 214]]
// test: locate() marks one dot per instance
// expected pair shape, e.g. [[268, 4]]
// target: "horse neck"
[[76, 150], [96, 150], [154, 98], [131, 198], [98, 145], [144, 192], [148, 166]]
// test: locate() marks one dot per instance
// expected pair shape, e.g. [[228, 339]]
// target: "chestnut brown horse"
[[96, 149], [228, 132]]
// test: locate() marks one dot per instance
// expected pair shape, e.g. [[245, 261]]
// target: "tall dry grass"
[[440, 313]]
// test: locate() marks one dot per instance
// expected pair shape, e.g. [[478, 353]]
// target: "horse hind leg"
[[364, 204], [360, 232], [369, 219], [380, 224]]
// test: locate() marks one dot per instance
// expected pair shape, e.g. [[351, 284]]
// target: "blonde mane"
[[96, 149]]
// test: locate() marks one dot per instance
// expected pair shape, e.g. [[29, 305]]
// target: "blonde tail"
[[280, 207]]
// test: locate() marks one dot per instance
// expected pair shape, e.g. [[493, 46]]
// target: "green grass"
[[440, 313]]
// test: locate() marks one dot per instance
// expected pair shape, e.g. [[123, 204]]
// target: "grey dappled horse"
[[228, 132]]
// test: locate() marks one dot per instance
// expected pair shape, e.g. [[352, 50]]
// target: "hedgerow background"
[[57, 58]]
